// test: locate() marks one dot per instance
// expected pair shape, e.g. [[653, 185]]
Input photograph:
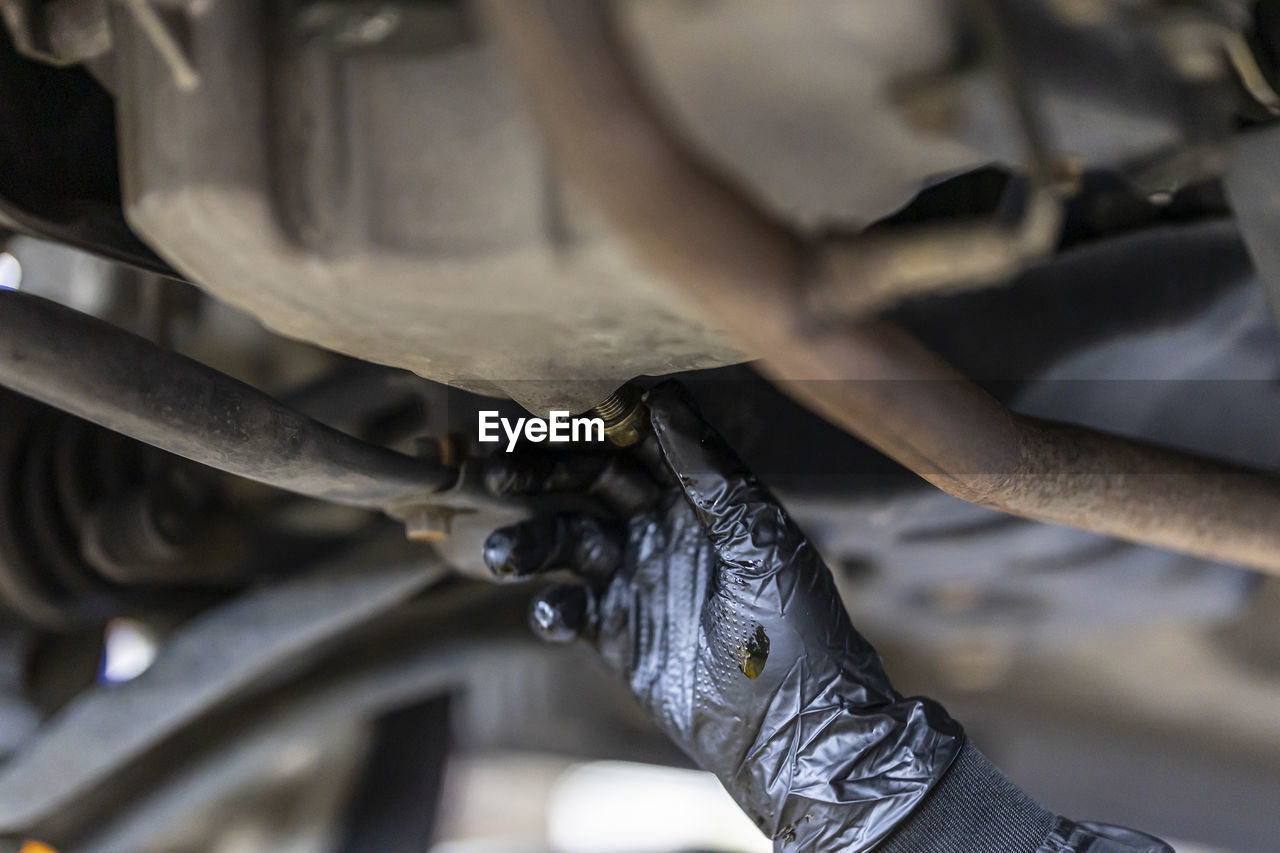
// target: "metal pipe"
[[857, 277], [696, 229], [126, 383]]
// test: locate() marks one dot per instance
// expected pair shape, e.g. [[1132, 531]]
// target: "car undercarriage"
[[985, 291]]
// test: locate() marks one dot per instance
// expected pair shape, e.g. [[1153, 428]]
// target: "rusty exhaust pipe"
[[691, 226]]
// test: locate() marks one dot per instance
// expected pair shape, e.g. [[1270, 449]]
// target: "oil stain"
[[753, 653], [787, 834]]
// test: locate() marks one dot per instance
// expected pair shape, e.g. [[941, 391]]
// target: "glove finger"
[[616, 479], [582, 544], [563, 613], [749, 530]]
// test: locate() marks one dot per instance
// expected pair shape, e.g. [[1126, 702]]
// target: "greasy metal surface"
[[825, 111], [367, 177], [121, 381], [799, 100], [696, 229], [381, 191]]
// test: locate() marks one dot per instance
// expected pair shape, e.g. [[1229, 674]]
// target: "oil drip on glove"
[[725, 623]]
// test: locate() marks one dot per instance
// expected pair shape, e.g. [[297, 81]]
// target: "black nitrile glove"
[[727, 627]]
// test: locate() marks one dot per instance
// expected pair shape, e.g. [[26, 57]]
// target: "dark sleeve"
[[975, 808]]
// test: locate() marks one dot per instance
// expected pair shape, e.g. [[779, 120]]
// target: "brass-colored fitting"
[[625, 416]]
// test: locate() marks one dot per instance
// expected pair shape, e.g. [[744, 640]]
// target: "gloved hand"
[[727, 626], [711, 605]]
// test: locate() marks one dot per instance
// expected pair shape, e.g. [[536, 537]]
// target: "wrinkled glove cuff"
[[973, 808]]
